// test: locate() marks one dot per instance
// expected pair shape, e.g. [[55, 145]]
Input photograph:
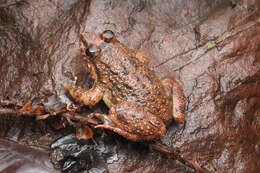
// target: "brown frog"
[[140, 104]]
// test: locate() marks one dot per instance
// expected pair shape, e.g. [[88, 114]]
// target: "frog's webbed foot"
[[86, 97], [175, 93]]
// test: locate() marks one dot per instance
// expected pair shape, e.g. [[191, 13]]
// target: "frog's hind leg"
[[132, 122], [126, 134], [175, 93], [108, 124], [119, 131]]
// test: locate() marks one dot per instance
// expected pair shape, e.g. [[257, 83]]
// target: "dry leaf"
[[84, 132]]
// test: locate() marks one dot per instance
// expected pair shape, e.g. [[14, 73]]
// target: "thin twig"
[[8, 111], [81, 118], [172, 153]]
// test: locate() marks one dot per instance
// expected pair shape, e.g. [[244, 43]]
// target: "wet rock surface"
[[19, 158], [212, 48]]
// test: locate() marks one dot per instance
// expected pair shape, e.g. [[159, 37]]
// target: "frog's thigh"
[[108, 124], [136, 121], [175, 93]]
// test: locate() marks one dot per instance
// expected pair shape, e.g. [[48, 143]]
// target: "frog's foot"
[[86, 97], [175, 93]]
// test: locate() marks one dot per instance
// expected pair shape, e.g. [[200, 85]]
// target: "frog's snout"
[[83, 39]]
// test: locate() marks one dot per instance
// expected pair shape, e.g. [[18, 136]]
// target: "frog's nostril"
[[107, 35], [92, 51], [102, 45]]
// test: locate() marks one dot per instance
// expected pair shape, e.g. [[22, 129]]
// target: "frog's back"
[[131, 80]]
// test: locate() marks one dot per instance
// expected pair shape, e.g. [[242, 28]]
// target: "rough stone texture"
[[211, 47]]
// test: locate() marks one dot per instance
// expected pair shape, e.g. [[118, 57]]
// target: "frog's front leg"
[[132, 122], [175, 94], [86, 97]]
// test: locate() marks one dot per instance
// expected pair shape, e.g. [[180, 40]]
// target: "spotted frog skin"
[[140, 104]]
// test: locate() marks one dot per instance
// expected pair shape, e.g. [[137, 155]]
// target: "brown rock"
[[211, 47]]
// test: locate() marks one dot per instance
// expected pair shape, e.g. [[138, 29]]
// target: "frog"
[[141, 105]]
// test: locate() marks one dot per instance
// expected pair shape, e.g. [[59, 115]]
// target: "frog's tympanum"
[[140, 104]]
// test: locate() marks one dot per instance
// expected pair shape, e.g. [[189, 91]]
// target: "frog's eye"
[[92, 51], [107, 36]]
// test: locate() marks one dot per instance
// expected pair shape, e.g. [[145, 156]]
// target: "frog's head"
[[91, 44]]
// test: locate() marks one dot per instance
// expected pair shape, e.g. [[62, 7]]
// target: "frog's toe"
[[104, 118], [70, 88], [74, 92]]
